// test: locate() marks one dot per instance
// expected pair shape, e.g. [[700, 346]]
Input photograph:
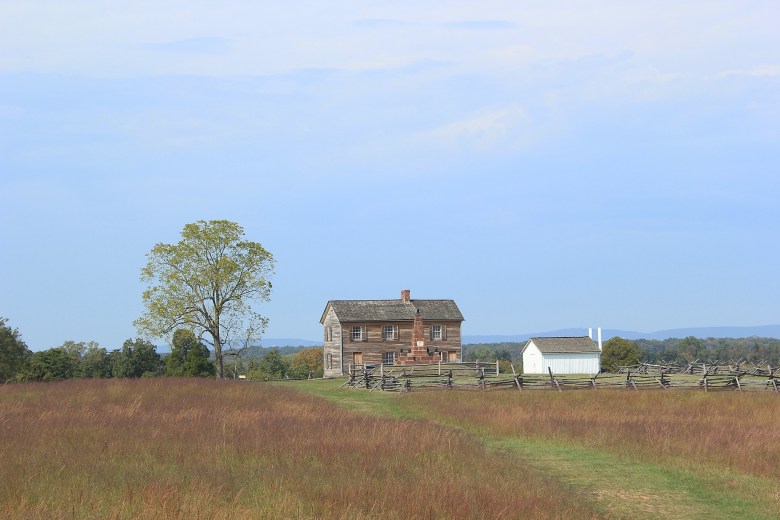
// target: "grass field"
[[668, 454], [176, 448], [183, 448]]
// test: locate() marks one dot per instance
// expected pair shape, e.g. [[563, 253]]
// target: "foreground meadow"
[[665, 454], [737, 432], [184, 448]]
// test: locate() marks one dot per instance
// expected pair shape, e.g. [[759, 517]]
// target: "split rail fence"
[[484, 376]]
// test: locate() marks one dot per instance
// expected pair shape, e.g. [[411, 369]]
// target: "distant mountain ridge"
[[265, 343], [762, 331], [289, 342]]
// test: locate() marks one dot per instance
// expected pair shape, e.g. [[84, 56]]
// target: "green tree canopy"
[[207, 283], [487, 353], [77, 351], [95, 362], [188, 357], [691, 348], [53, 364], [90, 358], [619, 352], [271, 366], [13, 352], [136, 358], [307, 363]]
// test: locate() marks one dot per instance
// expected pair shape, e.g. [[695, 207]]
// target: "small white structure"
[[569, 355]]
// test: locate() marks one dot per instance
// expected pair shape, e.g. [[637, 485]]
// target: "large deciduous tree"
[[53, 364], [619, 352], [95, 362], [207, 283], [13, 351], [188, 357], [307, 363], [136, 358], [271, 366]]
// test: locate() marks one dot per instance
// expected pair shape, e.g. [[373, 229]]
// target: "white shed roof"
[[566, 345]]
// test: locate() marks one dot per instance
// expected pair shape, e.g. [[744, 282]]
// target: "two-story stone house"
[[371, 332]]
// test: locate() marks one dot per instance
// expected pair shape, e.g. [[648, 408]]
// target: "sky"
[[546, 164]]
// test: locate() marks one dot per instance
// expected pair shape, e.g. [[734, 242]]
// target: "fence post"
[[555, 381]]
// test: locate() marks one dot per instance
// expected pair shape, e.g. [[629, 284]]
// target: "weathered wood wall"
[[374, 344], [332, 345]]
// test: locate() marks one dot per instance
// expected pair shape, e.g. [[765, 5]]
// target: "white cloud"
[[508, 128], [94, 38], [759, 71], [482, 25], [198, 45]]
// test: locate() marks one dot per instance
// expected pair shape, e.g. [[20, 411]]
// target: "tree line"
[[139, 358], [618, 351]]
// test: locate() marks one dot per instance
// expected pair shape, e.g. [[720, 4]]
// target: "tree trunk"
[[218, 358]]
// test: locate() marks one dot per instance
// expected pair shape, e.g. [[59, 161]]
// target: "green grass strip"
[[625, 489], [638, 490]]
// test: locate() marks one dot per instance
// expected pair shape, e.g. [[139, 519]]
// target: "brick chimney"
[[406, 295]]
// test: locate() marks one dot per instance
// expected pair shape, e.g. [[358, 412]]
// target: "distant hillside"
[[289, 342], [266, 343], [762, 331]]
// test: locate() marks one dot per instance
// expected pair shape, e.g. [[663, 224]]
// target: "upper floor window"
[[438, 332], [328, 333], [358, 333], [389, 332]]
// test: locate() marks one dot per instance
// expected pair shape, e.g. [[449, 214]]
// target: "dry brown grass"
[[731, 430], [176, 448]]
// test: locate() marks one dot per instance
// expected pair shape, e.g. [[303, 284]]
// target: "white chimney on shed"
[[599, 329], [590, 332]]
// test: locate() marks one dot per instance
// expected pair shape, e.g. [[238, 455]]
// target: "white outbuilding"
[[569, 355]]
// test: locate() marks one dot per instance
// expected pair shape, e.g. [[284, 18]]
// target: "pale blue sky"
[[545, 164]]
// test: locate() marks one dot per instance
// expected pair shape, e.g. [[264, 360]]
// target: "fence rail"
[[485, 376]]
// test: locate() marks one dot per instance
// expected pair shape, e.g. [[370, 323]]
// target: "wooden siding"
[[332, 346], [341, 347], [374, 344], [537, 362]]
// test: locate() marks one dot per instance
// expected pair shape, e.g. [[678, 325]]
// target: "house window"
[[388, 358], [328, 333], [438, 332], [358, 333], [389, 332], [329, 361]]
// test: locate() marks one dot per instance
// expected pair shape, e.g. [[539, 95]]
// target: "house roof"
[[393, 310], [565, 345]]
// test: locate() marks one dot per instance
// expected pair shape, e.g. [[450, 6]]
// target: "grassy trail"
[[624, 490]]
